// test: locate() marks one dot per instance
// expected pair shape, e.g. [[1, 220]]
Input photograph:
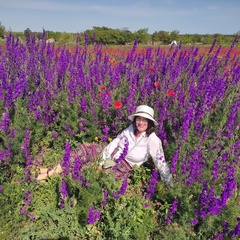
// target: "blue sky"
[[185, 16]]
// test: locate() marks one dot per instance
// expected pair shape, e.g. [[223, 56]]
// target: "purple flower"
[[83, 104], [105, 196], [105, 131], [93, 215], [218, 236], [225, 226], [85, 38], [23, 210], [194, 221], [171, 211], [55, 135], [215, 170], [77, 167], [146, 205], [64, 194], [5, 122], [123, 154], [122, 190], [168, 220], [236, 231], [65, 161], [174, 161], [1, 188], [173, 208], [69, 130], [26, 203], [24, 148], [152, 184]]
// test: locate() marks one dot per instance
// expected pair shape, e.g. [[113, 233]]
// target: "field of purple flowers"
[[53, 98]]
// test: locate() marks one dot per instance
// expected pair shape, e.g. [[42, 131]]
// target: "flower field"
[[54, 98]]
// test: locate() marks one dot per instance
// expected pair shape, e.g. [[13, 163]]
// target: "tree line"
[[109, 36]]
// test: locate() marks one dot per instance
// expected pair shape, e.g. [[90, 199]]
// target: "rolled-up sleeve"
[[108, 150], [157, 154]]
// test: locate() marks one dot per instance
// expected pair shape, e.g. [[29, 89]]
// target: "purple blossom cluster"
[[152, 184], [227, 233], [122, 189], [63, 193], [193, 167], [172, 210], [123, 153], [5, 154], [105, 197], [66, 159], [214, 204], [25, 147], [27, 153], [5, 122], [76, 171], [93, 215], [26, 204]]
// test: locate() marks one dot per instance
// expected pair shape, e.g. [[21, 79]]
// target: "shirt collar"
[[144, 134]]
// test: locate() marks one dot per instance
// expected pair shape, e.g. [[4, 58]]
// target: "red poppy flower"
[[157, 84], [151, 69], [99, 95], [102, 88], [117, 105], [170, 93]]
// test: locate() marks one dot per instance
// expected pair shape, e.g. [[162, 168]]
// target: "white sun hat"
[[144, 111]]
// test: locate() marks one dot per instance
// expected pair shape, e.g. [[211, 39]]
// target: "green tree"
[[2, 30], [155, 37], [125, 36], [164, 37], [65, 38], [174, 35], [142, 35], [196, 38], [27, 32]]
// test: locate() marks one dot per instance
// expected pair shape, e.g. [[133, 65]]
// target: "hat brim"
[[131, 117]]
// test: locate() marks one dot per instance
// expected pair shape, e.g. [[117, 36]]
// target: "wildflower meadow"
[[55, 97]]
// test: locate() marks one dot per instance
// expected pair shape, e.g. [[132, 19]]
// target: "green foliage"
[[108, 36], [175, 231], [11, 221], [51, 221], [127, 218], [2, 30]]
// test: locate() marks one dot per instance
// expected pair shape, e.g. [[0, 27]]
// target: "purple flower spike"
[[152, 184], [64, 194], [93, 215]]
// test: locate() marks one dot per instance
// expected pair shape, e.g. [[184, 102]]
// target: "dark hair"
[[150, 128]]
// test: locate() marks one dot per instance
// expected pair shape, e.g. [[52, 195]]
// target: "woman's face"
[[142, 124]]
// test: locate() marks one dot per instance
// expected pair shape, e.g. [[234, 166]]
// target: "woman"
[[134, 146]]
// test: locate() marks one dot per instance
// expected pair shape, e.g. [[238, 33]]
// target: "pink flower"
[[170, 93]]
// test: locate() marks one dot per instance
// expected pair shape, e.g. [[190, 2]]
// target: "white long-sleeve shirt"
[[139, 151]]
